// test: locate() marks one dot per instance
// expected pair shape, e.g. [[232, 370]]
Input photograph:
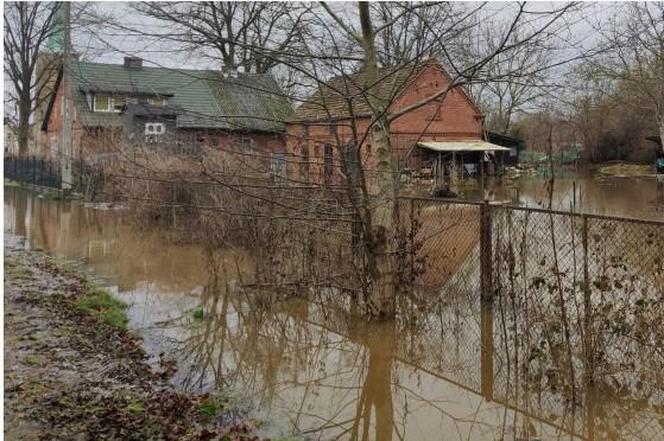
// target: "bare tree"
[[233, 33], [28, 26], [506, 96], [635, 57]]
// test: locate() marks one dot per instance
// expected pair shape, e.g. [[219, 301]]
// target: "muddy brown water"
[[639, 197], [297, 366]]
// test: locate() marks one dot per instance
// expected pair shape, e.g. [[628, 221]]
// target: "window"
[[513, 152], [102, 103], [278, 165], [118, 103], [328, 158], [156, 101], [132, 100], [154, 132], [304, 163], [243, 142]]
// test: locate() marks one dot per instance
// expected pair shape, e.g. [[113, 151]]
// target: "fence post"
[[34, 170], [412, 238], [588, 335], [486, 302], [486, 259]]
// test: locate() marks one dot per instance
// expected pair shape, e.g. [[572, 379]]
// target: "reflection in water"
[[312, 366]]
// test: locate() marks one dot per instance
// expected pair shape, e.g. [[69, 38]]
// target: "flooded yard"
[[639, 197], [308, 365]]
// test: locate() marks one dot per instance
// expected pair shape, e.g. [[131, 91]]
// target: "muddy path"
[[71, 376]]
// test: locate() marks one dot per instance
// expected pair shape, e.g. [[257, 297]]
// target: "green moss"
[[211, 407], [104, 307], [135, 407], [15, 270], [33, 360]]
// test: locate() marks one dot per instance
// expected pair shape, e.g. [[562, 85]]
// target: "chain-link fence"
[[561, 311]]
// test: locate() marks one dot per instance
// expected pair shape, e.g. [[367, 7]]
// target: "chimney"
[[133, 62]]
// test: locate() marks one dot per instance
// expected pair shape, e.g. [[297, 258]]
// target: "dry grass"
[[625, 170]]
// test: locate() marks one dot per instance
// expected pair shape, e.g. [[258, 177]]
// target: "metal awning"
[[461, 146]]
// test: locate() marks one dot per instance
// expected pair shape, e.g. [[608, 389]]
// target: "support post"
[[412, 238], [588, 336], [66, 151], [486, 318]]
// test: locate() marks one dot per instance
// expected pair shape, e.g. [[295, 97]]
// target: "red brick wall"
[[455, 117], [53, 135]]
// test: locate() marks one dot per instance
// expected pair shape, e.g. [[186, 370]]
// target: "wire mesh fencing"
[[562, 312]]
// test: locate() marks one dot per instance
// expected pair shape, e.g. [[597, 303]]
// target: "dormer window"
[[101, 103], [108, 103], [158, 101], [118, 103]]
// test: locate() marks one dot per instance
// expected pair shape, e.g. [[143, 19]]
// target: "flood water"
[[639, 197], [298, 366]]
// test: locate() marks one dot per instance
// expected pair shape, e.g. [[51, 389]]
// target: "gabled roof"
[[250, 102], [332, 99]]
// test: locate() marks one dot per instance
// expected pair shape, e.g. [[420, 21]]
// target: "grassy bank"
[[74, 372], [624, 169]]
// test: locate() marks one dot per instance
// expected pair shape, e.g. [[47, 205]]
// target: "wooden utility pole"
[[66, 150]]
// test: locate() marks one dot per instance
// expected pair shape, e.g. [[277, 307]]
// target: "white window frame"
[[97, 109]]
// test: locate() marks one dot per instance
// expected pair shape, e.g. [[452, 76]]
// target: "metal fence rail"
[[33, 170]]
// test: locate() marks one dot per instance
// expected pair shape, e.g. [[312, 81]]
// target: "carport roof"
[[461, 146]]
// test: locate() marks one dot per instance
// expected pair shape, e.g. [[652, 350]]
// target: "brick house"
[[441, 133], [176, 109]]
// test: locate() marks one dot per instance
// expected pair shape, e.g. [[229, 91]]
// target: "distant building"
[[659, 153], [167, 108], [515, 145], [10, 140], [443, 137]]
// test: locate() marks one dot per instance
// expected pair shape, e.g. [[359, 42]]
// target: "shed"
[[461, 158], [514, 144]]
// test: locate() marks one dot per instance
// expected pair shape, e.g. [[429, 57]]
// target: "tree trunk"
[[381, 246], [23, 128], [661, 131]]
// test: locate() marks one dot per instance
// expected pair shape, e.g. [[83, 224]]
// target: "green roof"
[[210, 100]]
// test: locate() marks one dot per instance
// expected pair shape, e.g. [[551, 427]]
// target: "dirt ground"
[[448, 234], [70, 376]]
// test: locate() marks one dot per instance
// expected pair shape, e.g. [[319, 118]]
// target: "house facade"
[[322, 130], [174, 109]]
